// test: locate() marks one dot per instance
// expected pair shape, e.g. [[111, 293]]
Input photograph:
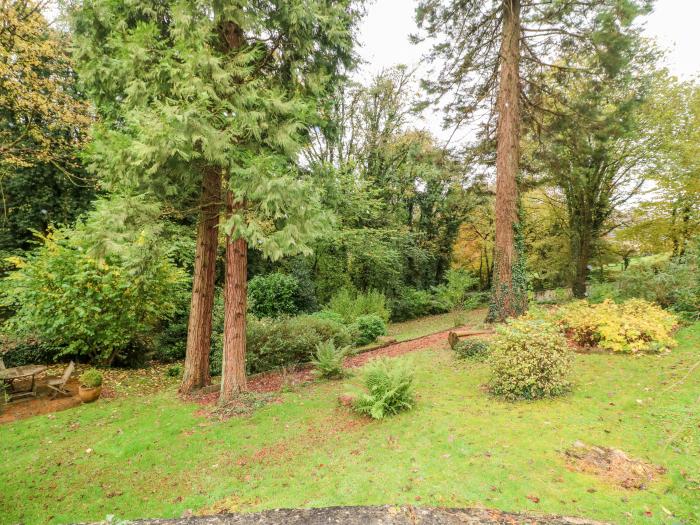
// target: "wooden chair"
[[58, 385], [7, 383]]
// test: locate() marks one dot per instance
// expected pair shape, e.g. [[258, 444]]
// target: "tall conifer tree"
[[492, 56], [193, 93]]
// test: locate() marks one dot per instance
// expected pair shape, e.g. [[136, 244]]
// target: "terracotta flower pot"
[[88, 395]]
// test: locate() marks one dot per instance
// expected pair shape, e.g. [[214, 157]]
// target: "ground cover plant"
[[328, 360], [471, 348], [155, 456], [389, 389]]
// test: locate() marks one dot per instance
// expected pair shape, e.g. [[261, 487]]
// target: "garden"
[[238, 273]]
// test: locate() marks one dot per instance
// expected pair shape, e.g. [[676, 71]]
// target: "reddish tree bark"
[[504, 303], [199, 329], [233, 377]]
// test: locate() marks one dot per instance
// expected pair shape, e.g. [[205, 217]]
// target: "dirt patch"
[[613, 465], [275, 381], [40, 405], [385, 515]]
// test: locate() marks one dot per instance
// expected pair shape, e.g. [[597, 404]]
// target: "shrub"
[[367, 328], [412, 303], [329, 360], [273, 295], [674, 285], [285, 342], [328, 314], [471, 348], [30, 353], [529, 359], [92, 290], [456, 290], [633, 326], [351, 304], [174, 371], [389, 389], [91, 378]]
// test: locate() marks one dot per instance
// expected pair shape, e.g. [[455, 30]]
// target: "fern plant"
[[328, 360], [389, 389]]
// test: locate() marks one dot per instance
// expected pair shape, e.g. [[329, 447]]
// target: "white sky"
[[385, 29]]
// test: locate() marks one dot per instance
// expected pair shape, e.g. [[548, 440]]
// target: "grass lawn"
[[435, 323], [154, 456]]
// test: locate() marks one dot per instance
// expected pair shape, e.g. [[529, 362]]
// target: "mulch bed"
[[268, 382], [384, 515]]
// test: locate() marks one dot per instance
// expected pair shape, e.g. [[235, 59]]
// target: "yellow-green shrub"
[[633, 326], [530, 359]]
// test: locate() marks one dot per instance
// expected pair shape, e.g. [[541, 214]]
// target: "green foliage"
[[633, 326], [30, 352], [529, 359], [328, 314], [174, 371], [273, 295], [328, 360], [186, 88], [411, 303], [674, 284], [351, 304], [368, 328], [290, 341], [91, 378], [457, 288], [94, 290], [471, 348], [389, 386]]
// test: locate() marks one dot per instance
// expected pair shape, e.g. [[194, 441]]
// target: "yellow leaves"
[[45, 121], [633, 326], [17, 262]]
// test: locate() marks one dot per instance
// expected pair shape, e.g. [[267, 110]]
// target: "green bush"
[[278, 343], [471, 348], [389, 386], [174, 371], [91, 378], [273, 295], [367, 328], [351, 304], [94, 290], [30, 353], [457, 288], [328, 314], [328, 360], [674, 285], [412, 303], [529, 359]]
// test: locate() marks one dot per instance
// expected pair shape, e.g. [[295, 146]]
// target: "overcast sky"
[[384, 34], [385, 30]]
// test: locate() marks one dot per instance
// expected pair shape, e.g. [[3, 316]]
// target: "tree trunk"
[[582, 256], [199, 329], [233, 379], [506, 298]]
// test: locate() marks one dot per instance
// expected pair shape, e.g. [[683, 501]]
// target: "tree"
[[43, 123], [492, 55], [42, 117], [204, 97], [596, 147]]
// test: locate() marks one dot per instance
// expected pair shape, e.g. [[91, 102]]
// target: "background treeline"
[[403, 226]]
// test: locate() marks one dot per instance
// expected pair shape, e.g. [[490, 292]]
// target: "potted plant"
[[90, 385]]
